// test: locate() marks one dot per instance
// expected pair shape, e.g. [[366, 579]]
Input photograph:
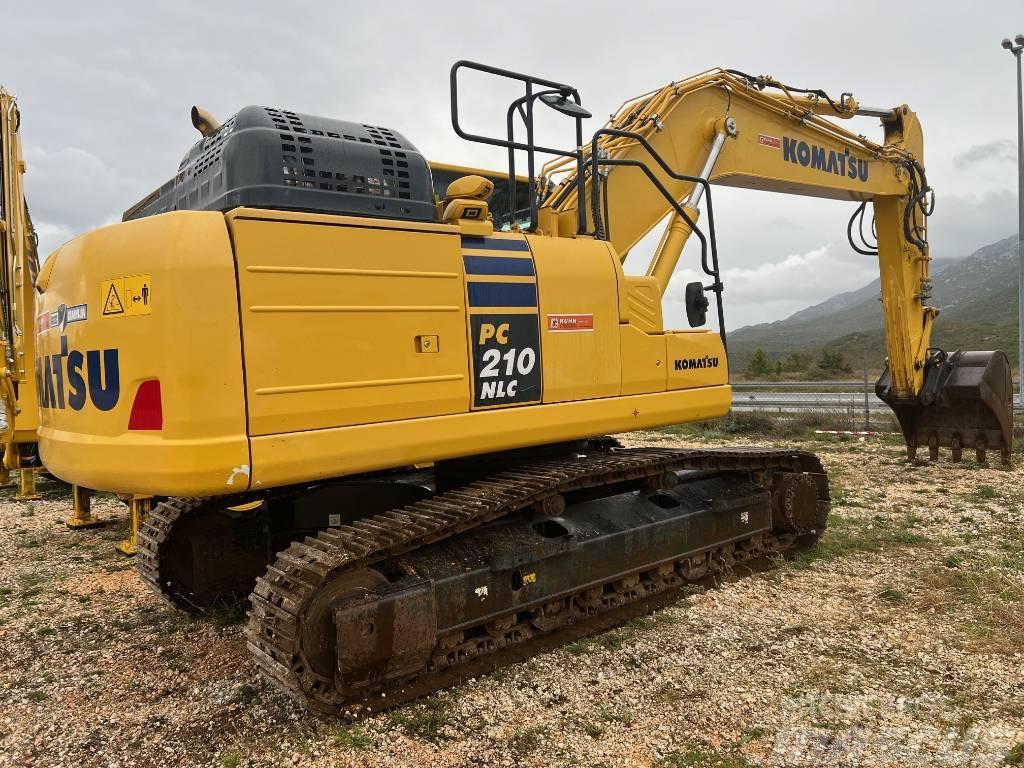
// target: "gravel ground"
[[899, 642]]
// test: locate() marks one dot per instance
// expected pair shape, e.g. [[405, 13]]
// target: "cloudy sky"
[[105, 89]]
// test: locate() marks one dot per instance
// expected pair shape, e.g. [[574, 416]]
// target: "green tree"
[[796, 362], [834, 362], [759, 365]]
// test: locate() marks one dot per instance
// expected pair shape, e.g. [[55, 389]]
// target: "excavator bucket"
[[966, 401]]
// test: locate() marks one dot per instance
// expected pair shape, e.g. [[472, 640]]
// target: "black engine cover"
[[273, 158]]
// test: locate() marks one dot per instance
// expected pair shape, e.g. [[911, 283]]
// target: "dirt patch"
[[897, 642]]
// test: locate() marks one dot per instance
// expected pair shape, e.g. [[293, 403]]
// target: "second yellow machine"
[[374, 395]]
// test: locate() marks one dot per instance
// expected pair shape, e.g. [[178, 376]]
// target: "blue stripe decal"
[[497, 265], [495, 244], [502, 294]]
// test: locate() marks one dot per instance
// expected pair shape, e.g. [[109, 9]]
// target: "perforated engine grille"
[[276, 158]]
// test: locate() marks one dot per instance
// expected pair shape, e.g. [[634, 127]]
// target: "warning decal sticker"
[[126, 296], [113, 305]]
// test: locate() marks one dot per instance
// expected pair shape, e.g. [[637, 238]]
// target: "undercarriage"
[[367, 592]]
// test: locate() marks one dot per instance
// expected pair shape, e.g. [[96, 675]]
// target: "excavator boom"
[[19, 265], [733, 129]]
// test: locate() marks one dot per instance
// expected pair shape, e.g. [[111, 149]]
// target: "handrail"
[[596, 161], [523, 105], [517, 106], [509, 142]]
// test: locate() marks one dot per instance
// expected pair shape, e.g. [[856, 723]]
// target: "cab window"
[[499, 199]]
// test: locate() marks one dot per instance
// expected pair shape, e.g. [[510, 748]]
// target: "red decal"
[[768, 141], [570, 322]]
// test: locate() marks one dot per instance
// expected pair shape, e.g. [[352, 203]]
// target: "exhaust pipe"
[[203, 121]]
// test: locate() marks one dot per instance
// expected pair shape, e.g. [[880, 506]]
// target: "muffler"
[[966, 401]]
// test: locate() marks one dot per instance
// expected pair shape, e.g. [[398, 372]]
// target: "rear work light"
[[147, 410]]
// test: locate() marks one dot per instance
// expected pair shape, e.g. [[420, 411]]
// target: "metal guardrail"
[[854, 398], [848, 397], [852, 385]]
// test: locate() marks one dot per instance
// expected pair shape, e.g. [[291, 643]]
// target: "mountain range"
[[976, 296]]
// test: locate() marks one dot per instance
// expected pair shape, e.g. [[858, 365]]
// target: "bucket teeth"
[[966, 400], [956, 451]]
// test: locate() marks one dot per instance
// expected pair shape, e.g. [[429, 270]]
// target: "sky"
[[105, 91]]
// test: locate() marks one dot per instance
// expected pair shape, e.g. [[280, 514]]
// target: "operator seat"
[[466, 198]]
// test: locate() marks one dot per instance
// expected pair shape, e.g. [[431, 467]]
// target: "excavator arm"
[[19, 265], [733, 129]]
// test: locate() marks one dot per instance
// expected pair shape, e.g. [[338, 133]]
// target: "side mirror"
[[696, 305], [562, 103]]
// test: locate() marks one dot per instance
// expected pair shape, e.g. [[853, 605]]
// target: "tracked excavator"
[[375, 394], [19, 267]]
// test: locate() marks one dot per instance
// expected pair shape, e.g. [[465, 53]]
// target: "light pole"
[[1016, 46]]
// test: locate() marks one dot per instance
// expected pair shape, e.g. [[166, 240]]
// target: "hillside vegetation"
[[977, 298]]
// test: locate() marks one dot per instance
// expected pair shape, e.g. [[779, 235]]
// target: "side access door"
[[348, 320]]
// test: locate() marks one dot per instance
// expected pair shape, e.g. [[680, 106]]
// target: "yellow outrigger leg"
[[140, 507], [27, 487], [81, 511], [26, 475]]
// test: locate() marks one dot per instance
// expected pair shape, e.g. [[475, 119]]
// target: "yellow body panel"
[[331, 315], [577, 280], [696, 359], [644, 361], [327, 345], [189, 342], [640, 303]]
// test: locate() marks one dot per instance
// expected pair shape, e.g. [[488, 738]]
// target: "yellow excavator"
[[19, 266], [375, 394]]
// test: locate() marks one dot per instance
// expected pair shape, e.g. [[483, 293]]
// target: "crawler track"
[[157, 557], [150, 557], [302, 571]]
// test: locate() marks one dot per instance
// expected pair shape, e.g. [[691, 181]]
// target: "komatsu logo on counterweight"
[[71, 378], [824, 160]]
